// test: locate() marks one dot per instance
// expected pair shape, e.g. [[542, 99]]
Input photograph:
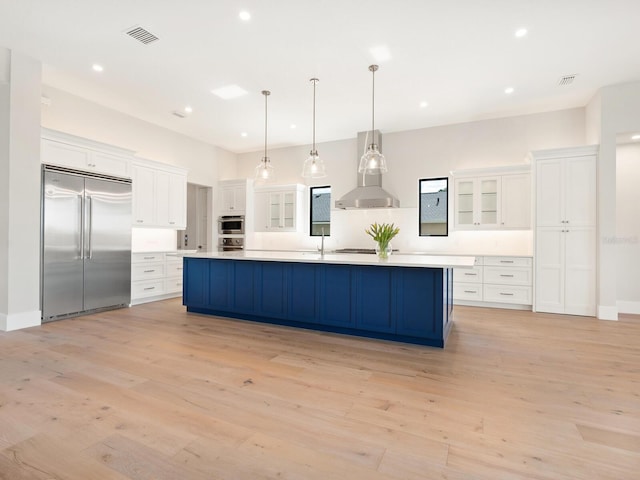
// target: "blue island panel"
[[408, 304]]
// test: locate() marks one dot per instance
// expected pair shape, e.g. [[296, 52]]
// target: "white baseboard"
[[606, 312], [16, 321], [629, 307], [507, 306], [166, 296]]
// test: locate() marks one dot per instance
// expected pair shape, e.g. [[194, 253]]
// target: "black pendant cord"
[[265, 127], [373, 106]]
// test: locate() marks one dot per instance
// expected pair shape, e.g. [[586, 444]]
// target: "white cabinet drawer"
[[508, 261], [147, 257], [174, 269], [173, 285], [507, 275], [468, 275], [467, 291], [147, 271], [507, 294], [147, 289]]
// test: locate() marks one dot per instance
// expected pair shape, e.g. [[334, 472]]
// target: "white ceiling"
[[459, 56]]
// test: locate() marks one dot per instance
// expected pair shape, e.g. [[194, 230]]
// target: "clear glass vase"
[[383, 251]]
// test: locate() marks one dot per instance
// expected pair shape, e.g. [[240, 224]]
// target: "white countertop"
[[394, 260]]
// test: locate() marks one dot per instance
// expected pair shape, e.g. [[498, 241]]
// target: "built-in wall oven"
[[229, 244], [231, 225]]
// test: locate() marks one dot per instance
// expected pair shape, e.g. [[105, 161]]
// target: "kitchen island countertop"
[[394, 260]]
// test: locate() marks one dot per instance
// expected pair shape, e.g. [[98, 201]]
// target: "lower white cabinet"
[[501, 280], [155, 276]]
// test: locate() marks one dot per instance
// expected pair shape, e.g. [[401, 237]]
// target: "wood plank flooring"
[[152, 392]]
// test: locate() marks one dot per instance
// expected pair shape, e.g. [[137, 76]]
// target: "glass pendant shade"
[[372, 162], [314, 166], [264, 170]]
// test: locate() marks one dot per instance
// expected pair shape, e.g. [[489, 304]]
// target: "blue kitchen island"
[[406, 298]]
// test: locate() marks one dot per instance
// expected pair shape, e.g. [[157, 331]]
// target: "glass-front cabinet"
[[477, 200], [278, 208]]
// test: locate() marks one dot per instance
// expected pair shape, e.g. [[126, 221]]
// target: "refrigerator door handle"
[[89, 233], [80, 227]]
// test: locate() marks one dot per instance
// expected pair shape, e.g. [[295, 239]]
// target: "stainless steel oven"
[[231, 225], [228, 244]]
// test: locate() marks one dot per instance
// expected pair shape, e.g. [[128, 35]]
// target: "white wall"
[[627, 239], [620, 105], [415, 154], [71, 114], [19, 191]]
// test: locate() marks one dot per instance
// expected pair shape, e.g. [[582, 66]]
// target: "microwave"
[[231, 224]]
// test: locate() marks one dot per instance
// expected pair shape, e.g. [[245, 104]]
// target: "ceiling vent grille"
[[567, 79], [142, 35]]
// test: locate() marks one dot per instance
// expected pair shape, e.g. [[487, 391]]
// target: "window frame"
[[420, 234], [311, 190]]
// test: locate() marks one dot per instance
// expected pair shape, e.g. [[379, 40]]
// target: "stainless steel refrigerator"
[[86, 243]]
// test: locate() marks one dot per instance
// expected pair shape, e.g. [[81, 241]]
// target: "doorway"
[[198, 234]]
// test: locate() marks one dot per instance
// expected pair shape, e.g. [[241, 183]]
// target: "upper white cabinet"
[[66, 150], [279, 208], [233, 197], [565, 239], [493, 199], [159, 195]]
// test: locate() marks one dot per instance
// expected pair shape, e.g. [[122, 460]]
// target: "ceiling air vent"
[[567, 79], [142, 35]]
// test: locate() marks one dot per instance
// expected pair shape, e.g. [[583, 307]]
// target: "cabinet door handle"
[[150, 288], [506, 261], [471, 274], [140, 221], [149, 258], [470, 291], [149, 271], [506, 294], [172, 223], [504, 275]]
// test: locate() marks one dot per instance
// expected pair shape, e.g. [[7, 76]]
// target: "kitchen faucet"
[[321, 247]]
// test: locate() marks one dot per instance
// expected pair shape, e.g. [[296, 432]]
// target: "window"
[[320, 211], [433, 211]]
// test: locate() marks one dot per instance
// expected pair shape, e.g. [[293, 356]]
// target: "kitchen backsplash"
[[348, 230], [153, 240]]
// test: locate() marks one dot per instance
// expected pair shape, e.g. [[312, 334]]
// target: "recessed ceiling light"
[[424, 104], [292, 126], [97, 68], [521, 32], [188, 109], [244, 134], [380, 53], [635, 137], [509, 90], [244, 16], [229, 91]]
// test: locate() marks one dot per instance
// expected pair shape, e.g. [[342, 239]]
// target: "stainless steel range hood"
[[369, 192]]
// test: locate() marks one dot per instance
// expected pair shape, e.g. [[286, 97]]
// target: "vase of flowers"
[[383, 233]]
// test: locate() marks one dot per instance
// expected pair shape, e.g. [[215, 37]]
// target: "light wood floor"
[[151, 392]]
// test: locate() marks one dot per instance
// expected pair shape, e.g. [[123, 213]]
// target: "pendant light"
[[264, 170], [314, 166], [373, 162]]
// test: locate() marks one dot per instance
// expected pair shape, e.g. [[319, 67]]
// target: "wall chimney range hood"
[[369, 192]]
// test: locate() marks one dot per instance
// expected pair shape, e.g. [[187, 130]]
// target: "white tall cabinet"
[[565, 233]]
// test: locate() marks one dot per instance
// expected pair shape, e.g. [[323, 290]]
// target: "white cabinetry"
[[498, 200], [78, 153], [155, 276], [498, 281], [233, 197], [566, 231], [159, 195], [279, 208]]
